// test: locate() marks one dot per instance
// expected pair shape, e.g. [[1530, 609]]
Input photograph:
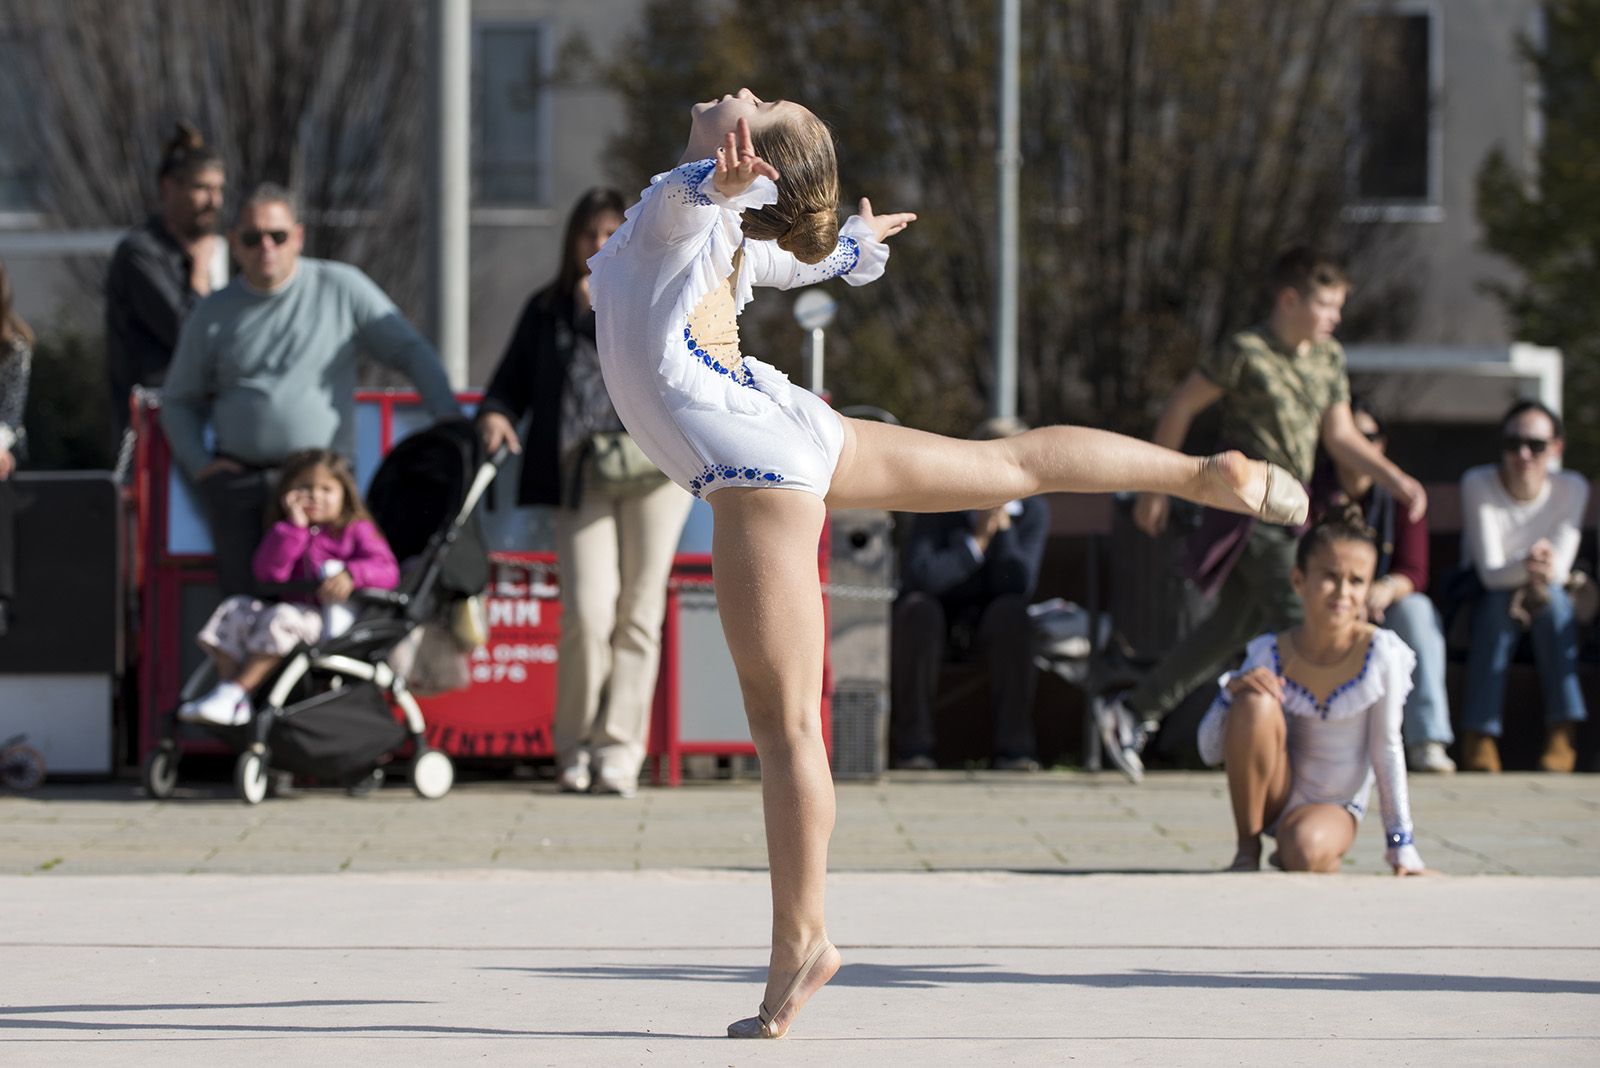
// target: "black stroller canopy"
[[417, 493]]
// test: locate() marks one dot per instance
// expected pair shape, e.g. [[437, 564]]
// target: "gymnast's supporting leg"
[[769, 594]]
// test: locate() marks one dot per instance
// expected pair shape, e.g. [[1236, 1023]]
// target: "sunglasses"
[[253, 238], [1513, 444]]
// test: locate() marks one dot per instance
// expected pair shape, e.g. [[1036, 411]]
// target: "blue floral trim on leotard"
[[844, 258], [742, 376], [694, 175], [714, 473], [1322, 708]]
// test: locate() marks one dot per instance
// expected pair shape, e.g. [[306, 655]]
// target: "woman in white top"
[[754, 201], [1520, 525], [1313, 717]]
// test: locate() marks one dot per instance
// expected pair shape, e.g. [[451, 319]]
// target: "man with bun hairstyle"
[[161, 268]]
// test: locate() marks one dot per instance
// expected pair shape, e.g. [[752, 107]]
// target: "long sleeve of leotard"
[[684, 204], [1387, 753], [858, 258]]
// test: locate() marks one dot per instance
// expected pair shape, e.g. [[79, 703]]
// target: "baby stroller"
[[326, 712]]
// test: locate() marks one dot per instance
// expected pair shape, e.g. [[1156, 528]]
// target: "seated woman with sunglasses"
[[1521, 527], [270, 362]]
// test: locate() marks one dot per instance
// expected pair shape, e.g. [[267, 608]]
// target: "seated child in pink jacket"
[[320, 532]]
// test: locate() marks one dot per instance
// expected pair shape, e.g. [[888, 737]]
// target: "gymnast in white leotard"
[[754, 201], [1312, 718]]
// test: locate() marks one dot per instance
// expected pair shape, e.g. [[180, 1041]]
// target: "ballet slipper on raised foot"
[[764, 1023], [1256, 488]]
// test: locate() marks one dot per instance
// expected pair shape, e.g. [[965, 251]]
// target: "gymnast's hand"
[[1257, 680], [737, 163], [885, 226]]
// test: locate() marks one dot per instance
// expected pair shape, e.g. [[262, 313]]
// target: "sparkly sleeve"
[[684, 203], [1388, 754], [858, 258]]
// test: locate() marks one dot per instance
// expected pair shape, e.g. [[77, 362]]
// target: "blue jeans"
[[1415, 621], [1494, 639]]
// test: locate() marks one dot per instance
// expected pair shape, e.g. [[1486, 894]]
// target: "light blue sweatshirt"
[[275, 372]]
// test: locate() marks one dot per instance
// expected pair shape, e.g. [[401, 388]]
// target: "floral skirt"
[[243, 627]]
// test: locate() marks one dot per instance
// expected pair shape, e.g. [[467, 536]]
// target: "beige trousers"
[[615, 552]]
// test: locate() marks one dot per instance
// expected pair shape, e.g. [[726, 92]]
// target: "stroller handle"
[[285, 590]]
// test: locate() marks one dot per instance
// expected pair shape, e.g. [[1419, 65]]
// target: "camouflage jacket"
[[1273, 400]]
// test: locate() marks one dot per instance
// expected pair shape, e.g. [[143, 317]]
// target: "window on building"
[[512, 154], [1396, 157], [18, 175]]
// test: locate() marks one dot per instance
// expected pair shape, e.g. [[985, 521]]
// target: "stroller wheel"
[[432, 774], [160, 772], [22, 767], [250, 777]]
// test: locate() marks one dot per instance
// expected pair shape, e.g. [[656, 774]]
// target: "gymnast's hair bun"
[[812, 236]]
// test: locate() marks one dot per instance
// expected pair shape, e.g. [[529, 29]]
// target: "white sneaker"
[[1122, 737], [613, 781], [574, 779], [227, 705], [1431, 757]]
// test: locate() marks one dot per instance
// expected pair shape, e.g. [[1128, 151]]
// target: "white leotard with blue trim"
[[1339, 747], [709, 423]]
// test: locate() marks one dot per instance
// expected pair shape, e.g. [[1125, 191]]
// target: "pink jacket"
[[293, 554]]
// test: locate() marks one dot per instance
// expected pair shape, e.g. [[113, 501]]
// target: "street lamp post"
[[814, 310], [1009, 165]]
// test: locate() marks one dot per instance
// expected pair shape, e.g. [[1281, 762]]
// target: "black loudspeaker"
[[61, 653], [67, 612]]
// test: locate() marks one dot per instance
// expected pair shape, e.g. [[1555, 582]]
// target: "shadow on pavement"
[[891, 976]]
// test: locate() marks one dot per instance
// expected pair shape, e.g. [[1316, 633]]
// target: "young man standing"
[[1282, 384]]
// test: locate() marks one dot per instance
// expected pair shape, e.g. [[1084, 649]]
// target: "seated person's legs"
[[918, 644], [1494, 638], [1315, 838], [1256, 756], [1005, 637], [1427, 714], [1555, 649]]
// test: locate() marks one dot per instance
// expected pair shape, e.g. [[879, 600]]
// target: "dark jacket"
[[939, 559], [532, 376], [147, 297]]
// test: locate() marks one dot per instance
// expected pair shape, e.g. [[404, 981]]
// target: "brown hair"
[[184, 153], [805, 219], [298, 463], [593, 204], [1338, 524], [1304, 269], [12, 326]]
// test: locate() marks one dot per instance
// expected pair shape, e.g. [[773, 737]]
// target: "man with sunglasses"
[[270, 362], [1521, 524]]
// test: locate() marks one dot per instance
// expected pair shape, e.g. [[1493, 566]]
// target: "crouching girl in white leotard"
[[1312, 718], [754, 201]]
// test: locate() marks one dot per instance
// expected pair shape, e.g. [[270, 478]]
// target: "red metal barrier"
[[508, 710]]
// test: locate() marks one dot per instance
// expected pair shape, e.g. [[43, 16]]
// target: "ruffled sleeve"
[[858, 258], [680, 207], [1394, 664], [1261, 652]]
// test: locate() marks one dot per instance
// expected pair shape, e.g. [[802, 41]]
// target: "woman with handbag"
[[617, 517]]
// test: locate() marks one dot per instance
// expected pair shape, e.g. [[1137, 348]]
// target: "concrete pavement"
[[510, 925]]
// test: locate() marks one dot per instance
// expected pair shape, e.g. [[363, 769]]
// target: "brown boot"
[[1560, 755], [1479, 752]]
